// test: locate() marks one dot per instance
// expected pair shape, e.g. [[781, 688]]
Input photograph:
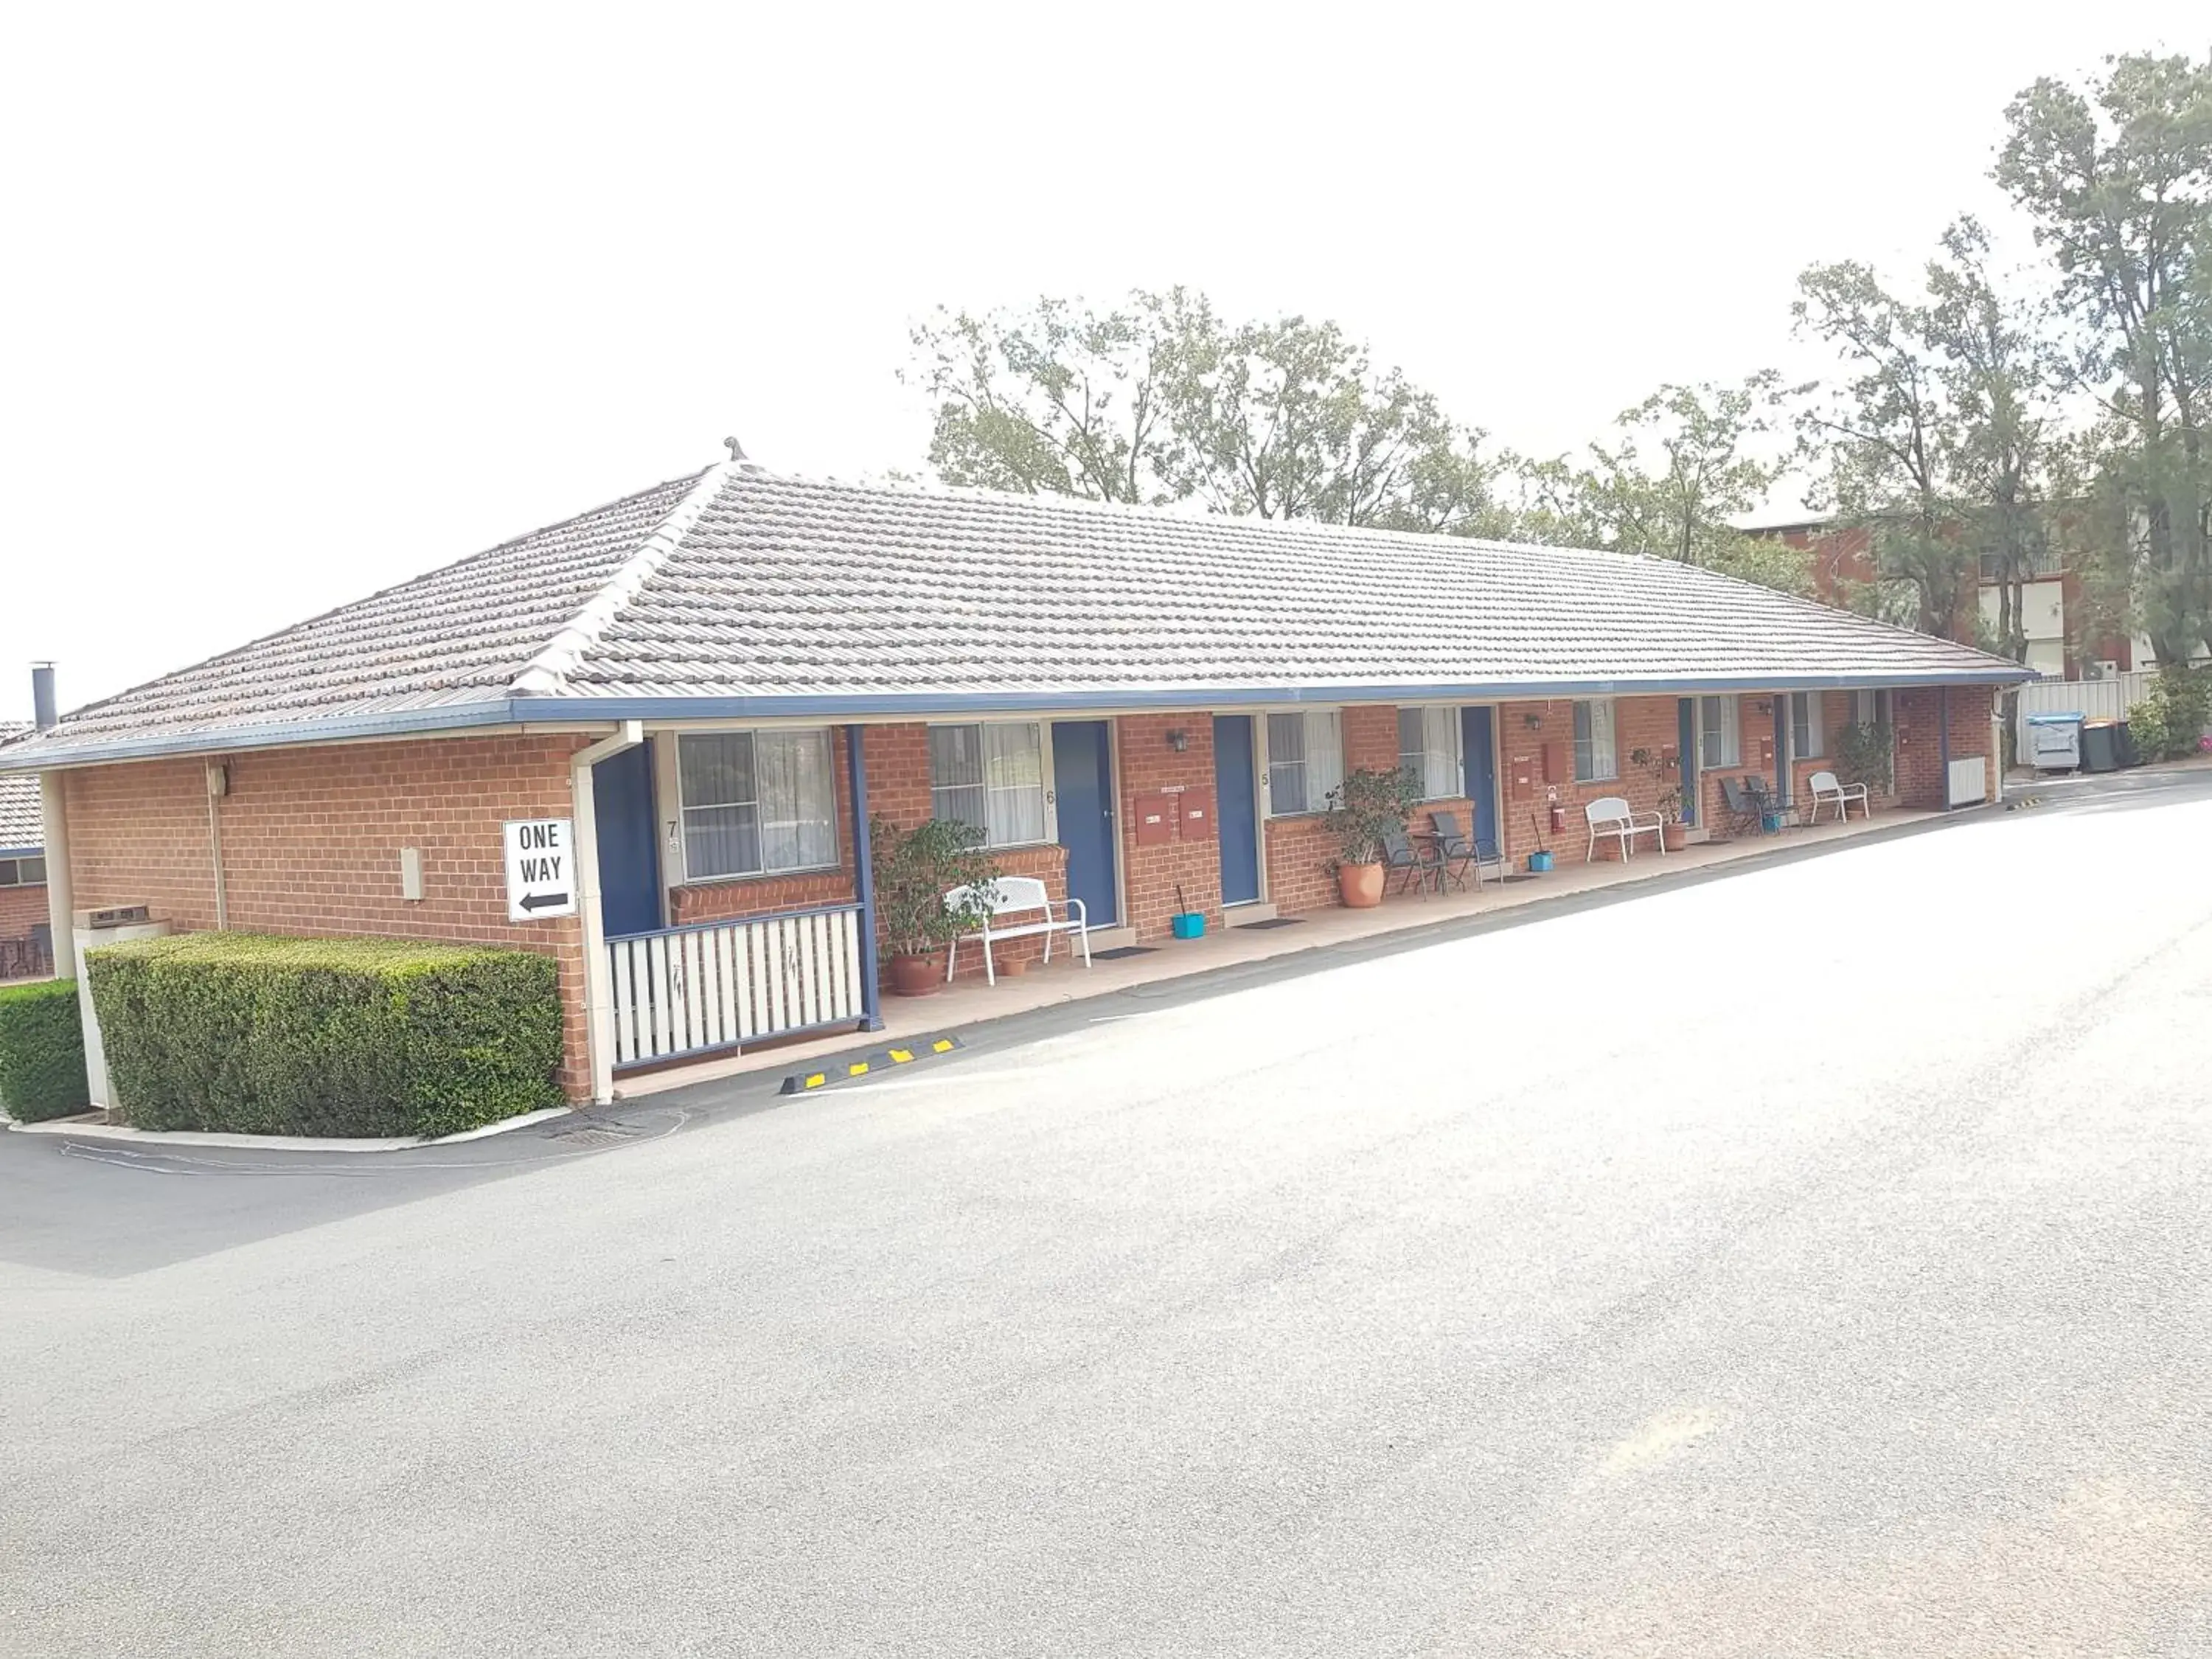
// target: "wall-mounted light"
[[1178, 739], [1532, 720]]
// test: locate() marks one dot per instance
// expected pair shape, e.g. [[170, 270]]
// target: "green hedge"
[[41, 1051], [341, 1036]]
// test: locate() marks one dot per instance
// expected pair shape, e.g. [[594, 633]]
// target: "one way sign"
[[541, 873]]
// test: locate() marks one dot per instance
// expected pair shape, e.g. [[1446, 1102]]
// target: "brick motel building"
[[721, 679]]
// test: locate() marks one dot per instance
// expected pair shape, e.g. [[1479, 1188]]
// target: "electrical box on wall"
[[1155, 815], [411, 873], [1197, 815]]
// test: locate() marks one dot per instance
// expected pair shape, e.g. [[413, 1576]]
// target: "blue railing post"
[[863, 875]]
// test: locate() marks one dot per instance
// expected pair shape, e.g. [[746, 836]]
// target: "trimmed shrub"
[[42, 1051], [324, 1036]]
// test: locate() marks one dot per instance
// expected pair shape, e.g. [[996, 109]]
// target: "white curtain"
[[1013, 780]]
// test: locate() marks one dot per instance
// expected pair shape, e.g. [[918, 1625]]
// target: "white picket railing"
[[687, 989]]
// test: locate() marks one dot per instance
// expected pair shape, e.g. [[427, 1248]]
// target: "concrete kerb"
[[73, 1128]]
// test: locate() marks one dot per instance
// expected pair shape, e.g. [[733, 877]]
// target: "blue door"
[[1236, 809], [629, 855], [1481, 765], [1082, 789]]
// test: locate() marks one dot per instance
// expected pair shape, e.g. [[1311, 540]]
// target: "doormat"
[[1121, 950], [1272, 921]]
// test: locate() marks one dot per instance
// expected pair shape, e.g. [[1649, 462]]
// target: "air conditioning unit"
[[2106, 668]]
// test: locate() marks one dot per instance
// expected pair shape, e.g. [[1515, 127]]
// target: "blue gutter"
[[839, 708], [34, 851]]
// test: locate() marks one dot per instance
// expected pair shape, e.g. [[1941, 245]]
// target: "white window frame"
[[679, 850], [1612, 772], [1814, 703], [1436, 718], [1328, 724], [1048, 811], [1733, 756], [11, 871]]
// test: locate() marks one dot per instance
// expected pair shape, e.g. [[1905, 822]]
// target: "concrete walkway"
[[971, 1001]]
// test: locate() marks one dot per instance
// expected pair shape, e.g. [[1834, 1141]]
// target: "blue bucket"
[[1191, 923], [1540, 862]]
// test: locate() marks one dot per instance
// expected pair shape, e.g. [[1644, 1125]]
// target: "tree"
[[1058, 399], [1994, 364], [1159, 400], [1884, 434], [2117, 183], [1680, 467]]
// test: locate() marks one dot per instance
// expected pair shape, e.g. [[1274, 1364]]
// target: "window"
[[1428, 747], [1870, 707], [1593, 756], [1305, 761], [1719, 736], [991, 777], [755, 803], [1807, 739], [22, 872]]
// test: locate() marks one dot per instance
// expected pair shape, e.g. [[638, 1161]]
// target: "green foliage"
[[1160, 400], [2117, 180], [914, 869], [1866, 754], [1367, 806], [348, 1037], [2170, 722], [41, 1051]]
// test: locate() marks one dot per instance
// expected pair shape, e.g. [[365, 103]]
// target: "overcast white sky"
[[301, 302]]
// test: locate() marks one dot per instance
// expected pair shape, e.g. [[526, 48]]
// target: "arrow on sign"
[[541, 901]]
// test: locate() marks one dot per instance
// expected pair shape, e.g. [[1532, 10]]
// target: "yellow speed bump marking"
[[799, 1083]]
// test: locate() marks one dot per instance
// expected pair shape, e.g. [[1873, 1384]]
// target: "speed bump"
[[886, 1060]]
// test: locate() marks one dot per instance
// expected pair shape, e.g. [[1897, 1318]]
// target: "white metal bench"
[[1611, 814], [1826, 787], [1016, 896]]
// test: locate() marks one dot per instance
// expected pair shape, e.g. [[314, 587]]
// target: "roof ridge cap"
[[548, 671]]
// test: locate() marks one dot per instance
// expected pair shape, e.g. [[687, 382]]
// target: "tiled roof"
[[22, 821], [737, 584]]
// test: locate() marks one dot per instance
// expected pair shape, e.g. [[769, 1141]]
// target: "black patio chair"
[[1400, 859], [1456, 854], [1742, 806]]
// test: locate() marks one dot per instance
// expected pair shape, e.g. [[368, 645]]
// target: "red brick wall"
[[1920, 780], [1650, 723], [310, 840], [1151, 874], [22, 909]]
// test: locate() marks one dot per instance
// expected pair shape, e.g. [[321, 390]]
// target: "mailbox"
[[1155, 815], [1522, 770], [1197, 818]]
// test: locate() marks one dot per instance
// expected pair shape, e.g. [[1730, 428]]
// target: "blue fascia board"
[[33, 851], [579, 711]]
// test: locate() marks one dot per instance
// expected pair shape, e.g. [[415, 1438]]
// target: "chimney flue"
[[44, 710]]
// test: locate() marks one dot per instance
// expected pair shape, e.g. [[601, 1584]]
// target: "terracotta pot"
[[1359, 885], [1675, 836], [915, 976]]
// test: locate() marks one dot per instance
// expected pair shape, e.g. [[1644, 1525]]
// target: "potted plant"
[[1664, 770], [1364, 810], [914, 869]]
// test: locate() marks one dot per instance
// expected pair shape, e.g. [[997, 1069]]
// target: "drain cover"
[[1123, 951], [594, 1134]]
